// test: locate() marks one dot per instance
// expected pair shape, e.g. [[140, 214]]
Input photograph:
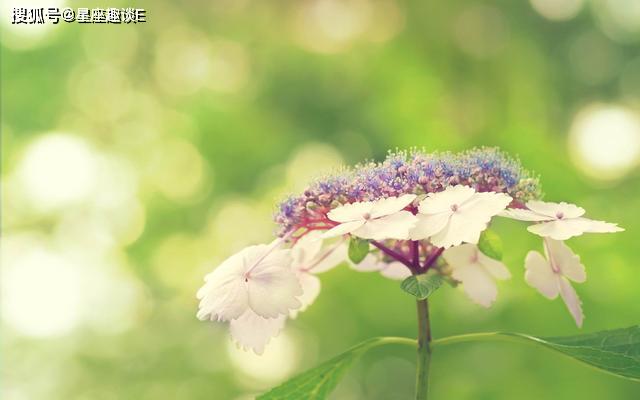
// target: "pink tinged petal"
[[540, 275], [602, 227], [477, 283], [497, 269], [554, 210], [524, 215], [351, 212], [396, 271], [370, 263], [394, 226], [438, 202], [343, 229], [251, 331], [460, 255], [273, 286], [391, 205], [306, 249], [310, 290], [329, 258], [572, 301], [560, 229], [565, 260], [428, 225]]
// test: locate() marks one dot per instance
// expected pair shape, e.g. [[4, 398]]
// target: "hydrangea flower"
[[552, 275], [476, 271], [378, 220], [258, 278], [410, 214], [457, 214], [559, 221]]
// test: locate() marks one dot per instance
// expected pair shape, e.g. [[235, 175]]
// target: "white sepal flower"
[[377, 220], [456, 215], [476, 272], [552, 275], [258, 278], [310, 257], [558, 221], [252, 331]]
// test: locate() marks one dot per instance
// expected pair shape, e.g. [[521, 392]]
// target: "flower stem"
[[424, 350]]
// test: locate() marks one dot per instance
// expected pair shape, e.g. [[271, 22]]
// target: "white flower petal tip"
[[476, 272], [377, 220], [558, 221], [252, 331], [457, 215], [258, 278], [551, 276]]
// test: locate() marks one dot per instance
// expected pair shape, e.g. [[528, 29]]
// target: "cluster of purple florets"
[[410, 172]]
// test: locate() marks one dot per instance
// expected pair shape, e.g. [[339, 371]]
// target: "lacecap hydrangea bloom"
[[412, 214]]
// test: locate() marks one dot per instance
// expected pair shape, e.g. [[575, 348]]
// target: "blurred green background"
[[137, 157]]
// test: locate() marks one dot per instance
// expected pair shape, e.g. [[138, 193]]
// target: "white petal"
[[306, 249], [330, 257], [310, 291], [497, 269], [223, 300], [471, 218], [540, 275], [351, 212], [252, 331], [342, 229], [428, 225], [562, 229], [477, 283], [224, 295], [524, 215], [442, 201], [553, 210], [370, 263], [572, 301], [460, 255], [394, 226], [273, 285], [391, 205], [603, 227], [396, 271], [565, 260]]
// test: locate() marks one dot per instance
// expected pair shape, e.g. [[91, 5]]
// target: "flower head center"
[[559, 215], [454, 207], [366, 216]]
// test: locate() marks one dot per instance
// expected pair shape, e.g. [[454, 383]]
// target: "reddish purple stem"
[[394, 254]]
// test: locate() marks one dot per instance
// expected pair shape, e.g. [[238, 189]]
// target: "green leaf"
[[317, 383], [490, 244], [615, 351], [358, 249], [421, 286]]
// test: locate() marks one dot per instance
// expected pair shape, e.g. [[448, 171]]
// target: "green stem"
[[424, 350], [470, 337]]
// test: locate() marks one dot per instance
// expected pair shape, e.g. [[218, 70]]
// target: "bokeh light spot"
[[605, 141], [557, 10], [58, 170]]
